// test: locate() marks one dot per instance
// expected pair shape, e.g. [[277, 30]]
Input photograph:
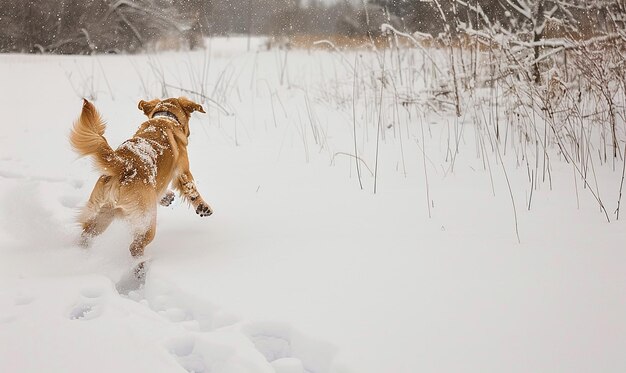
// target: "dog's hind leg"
[[137, 247], [96, 224], [97, 214], [144, 234], [141, 239]]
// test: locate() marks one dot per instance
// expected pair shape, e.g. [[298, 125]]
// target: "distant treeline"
[[111, 26], [88, 26]]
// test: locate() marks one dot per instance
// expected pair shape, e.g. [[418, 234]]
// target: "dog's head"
[[180, 108]]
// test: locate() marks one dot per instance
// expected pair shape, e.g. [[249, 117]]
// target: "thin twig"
[[621, 185]]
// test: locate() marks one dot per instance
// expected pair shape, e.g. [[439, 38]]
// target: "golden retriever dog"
[[136, 176]]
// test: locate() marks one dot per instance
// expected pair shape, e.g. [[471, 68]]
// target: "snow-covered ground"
[[299, 269]]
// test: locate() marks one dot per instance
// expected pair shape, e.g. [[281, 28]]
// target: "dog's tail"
[[87, 138]]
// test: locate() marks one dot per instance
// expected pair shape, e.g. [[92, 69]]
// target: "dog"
[[136, 176]]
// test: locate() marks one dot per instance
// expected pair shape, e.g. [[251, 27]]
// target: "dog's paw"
[[167, 199], [204, 210], [84, 242]]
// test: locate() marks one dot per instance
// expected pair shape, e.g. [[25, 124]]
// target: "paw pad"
[[167, 199], [203, 210]]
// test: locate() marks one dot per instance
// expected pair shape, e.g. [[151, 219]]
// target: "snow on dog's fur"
[[137, 174]]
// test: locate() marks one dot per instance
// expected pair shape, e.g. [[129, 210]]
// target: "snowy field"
[[302, 267]]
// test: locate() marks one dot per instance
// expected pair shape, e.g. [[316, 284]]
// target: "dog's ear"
[[190, 106], [147, 106]]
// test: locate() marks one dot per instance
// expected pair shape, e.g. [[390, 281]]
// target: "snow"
[[298, 270]]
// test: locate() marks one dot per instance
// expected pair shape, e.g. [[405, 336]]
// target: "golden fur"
[[137, 174]]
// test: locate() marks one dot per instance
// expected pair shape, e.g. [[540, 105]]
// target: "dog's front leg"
[[187, 188], [167, 199]]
